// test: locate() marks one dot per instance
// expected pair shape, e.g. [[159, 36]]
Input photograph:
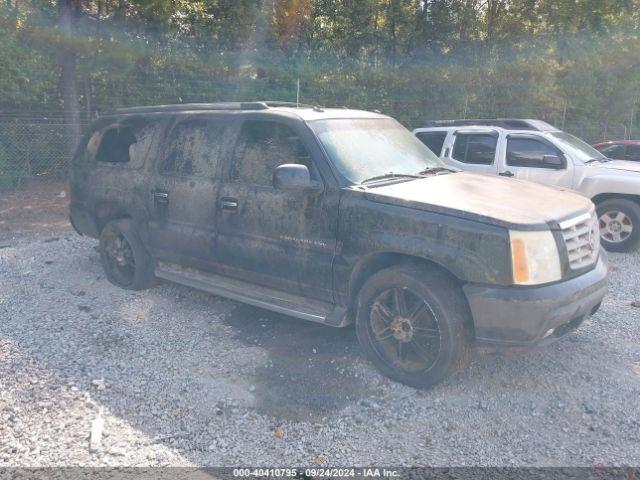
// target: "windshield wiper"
[[388, 176], [601, 160], [436, 170]]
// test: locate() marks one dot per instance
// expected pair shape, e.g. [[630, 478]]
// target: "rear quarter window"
[[123, 143], [632, 153], [433, 140], [615, 151]]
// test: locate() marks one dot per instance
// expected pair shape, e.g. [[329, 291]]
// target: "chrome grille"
[[582, 239]]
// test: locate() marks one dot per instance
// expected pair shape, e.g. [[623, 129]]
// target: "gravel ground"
[[173, 376]]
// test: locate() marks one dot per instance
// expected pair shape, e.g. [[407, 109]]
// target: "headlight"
[[534, 257]]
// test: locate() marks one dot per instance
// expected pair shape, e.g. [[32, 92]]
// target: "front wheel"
[[411, 324], [619, 220]]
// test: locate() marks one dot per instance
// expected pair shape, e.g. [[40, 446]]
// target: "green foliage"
[[571, 63], [10, 175]]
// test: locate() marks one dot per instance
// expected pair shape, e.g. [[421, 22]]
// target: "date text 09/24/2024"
[[315, 472]]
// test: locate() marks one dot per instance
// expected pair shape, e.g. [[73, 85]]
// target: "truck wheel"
[[619, 224], [411, 324], [125, 260]]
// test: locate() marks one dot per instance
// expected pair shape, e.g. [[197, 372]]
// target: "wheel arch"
[[106, 212], [375, 262], [601, 197]]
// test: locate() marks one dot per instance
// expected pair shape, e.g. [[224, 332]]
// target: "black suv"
[[336, 216]]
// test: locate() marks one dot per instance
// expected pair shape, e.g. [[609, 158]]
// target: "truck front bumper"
[[522, 316]]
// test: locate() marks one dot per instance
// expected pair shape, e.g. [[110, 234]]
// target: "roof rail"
[[195, 106], [181, 107], [277, 103], [507, 123]]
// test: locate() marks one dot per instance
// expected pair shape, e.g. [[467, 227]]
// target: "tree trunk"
[[68, 75], [392, 31]]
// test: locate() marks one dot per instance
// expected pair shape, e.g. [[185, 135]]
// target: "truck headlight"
[[534, 257]]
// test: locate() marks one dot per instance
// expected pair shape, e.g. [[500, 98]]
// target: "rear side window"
[[194, 148], [433, 140], [613, 151], [124, 143], [261, 147], [529, 152], [632, 153], [475, 148]]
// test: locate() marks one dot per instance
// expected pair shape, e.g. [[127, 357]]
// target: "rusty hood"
[[498, 201]]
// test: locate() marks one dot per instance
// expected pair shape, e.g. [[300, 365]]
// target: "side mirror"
[[553, 161], [294, 177]]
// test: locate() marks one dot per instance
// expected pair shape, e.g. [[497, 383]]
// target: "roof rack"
[[180, 107], [507, 123]]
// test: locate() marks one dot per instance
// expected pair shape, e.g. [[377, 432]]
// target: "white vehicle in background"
[[536, 151]]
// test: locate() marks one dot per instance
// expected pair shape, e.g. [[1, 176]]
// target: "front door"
[[184, 191], [281, 239], [524, 159]]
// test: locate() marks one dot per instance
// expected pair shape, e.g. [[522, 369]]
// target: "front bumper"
[[521, 316]]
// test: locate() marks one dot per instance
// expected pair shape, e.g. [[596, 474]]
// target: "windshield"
[[576, 148], [362, 149]]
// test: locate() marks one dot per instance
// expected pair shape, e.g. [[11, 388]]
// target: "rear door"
[[523, 159], [473, 150], [184, 189], [281, 239]]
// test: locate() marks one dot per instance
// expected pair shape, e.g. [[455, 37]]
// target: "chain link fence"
[[34, 147]]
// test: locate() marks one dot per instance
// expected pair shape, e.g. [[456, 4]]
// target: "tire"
[[125, 260], [619, 220], [433, 302]]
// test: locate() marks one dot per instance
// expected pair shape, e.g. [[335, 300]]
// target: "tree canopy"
[[575, 63]]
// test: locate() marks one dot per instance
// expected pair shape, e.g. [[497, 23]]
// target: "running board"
[[258, 296]]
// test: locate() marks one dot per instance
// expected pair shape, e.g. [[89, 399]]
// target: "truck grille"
[[582, 239]]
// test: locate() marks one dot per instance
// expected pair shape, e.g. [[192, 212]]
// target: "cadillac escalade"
[[337, 216]]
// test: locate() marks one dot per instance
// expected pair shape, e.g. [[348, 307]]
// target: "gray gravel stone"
[[193, 379]]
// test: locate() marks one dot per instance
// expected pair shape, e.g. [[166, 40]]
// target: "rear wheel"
[[411, 324], [619, 224], [125, 260]]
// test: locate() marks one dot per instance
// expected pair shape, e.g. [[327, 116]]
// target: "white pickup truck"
[[536, 151]]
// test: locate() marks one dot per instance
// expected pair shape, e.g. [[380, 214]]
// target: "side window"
[[123, 143], [613, 151], [433, 140], [529, 152], [261, 147], [194, 148], [477, 148], [632, 153]]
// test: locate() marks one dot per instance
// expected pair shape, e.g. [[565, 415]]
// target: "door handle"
[[506, 174], [161, 197], [228, 203]]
